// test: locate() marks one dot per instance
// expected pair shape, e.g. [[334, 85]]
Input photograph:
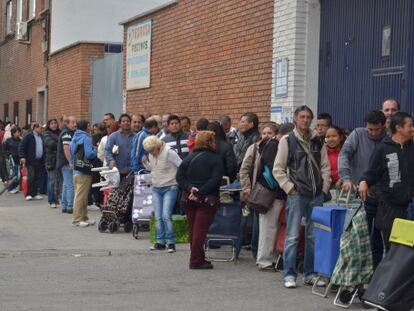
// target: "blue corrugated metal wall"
[[353, 76]]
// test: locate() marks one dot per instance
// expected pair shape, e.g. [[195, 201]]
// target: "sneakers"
[[290, 282], [157, 247], [82, 224], [171, 248], [91, 222], [310, 280], [52, 205], [14, 191], [29, 198], [38, 197]]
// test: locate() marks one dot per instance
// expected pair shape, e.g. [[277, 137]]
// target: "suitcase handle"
[[345, 196]]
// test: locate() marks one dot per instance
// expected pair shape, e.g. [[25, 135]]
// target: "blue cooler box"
[[329, 224]]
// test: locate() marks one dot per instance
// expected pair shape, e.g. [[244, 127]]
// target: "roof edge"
[[156, 9], [81, 42]]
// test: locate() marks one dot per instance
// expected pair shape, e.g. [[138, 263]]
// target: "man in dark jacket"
[[63, 164], [32, 154], [392, 168], [51, 138], [248, 134]]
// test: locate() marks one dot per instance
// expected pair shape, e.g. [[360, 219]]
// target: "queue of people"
[[299, 165]]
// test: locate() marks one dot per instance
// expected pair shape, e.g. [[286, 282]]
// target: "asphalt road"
[[46, 264]]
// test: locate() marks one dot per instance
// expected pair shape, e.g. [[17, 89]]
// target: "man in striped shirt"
[[176, 138]]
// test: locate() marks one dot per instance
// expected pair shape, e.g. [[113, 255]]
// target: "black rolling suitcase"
[[392, 285]]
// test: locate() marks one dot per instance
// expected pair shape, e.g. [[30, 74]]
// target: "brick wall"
[[209, 57], [70, 79], [22, 68]]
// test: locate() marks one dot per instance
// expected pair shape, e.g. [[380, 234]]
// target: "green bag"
[[180, 229]]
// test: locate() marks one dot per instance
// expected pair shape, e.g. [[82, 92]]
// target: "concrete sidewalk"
[[46, 264]]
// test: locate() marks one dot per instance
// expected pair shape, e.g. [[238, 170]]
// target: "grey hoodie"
[[354, 158]]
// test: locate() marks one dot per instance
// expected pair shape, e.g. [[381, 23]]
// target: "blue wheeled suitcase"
[[329, 224], [224, 231]]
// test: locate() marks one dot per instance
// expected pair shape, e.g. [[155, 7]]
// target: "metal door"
[[354, 75], [106, 86]]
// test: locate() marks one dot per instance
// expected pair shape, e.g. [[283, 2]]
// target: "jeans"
[[67, 191], [164, 202], [255, 233], [52, 180], [299, 206]]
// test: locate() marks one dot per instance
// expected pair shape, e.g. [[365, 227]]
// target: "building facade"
[[62, 57], [200, 58], [345, 57]]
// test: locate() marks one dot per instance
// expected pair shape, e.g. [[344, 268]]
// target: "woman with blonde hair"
[[199, 176], [162, 161]]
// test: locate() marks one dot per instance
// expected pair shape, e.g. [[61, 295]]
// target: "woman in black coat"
[[51, 137], [11, 148], [199, 177], [225, 150]]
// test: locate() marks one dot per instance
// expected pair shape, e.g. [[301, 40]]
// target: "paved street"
[[46, 264]]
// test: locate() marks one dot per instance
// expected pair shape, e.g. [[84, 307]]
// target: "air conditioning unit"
[[21, 32]]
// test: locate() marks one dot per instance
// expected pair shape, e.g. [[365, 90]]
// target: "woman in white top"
[[163, 162]]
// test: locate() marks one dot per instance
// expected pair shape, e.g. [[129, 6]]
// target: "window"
[[386, 41], [6, 112], [113, 48], [19, 11], [32, 9], [9, 13], [16, 113], [29, 111]]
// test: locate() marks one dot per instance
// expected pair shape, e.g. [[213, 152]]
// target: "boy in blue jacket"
[[82, 176]]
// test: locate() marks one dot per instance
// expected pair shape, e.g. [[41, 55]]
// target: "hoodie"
[[391, 167], [82, 137], [354, 157], [137, 150]]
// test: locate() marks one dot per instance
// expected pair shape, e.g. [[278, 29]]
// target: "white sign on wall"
[[138, 56]]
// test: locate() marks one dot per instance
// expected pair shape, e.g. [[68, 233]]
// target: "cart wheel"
[[128, 227], [135, 231], [102, 225], [112, 227], [345, 296]]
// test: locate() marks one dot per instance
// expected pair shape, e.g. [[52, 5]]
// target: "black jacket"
[[27, 149], [225, 150], [51, 142], [11, 147], [202, 169], [65, 138], [178, 142], [243, 142], [392, 169], [303, 172]]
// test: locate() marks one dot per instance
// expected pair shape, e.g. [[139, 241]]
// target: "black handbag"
[[82, 163]]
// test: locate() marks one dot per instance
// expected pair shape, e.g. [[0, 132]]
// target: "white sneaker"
[[290, 282], [29, 198], [14, 191], [82, 224], [91, 222], [311, 280], [52, 205], [38, 197]]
